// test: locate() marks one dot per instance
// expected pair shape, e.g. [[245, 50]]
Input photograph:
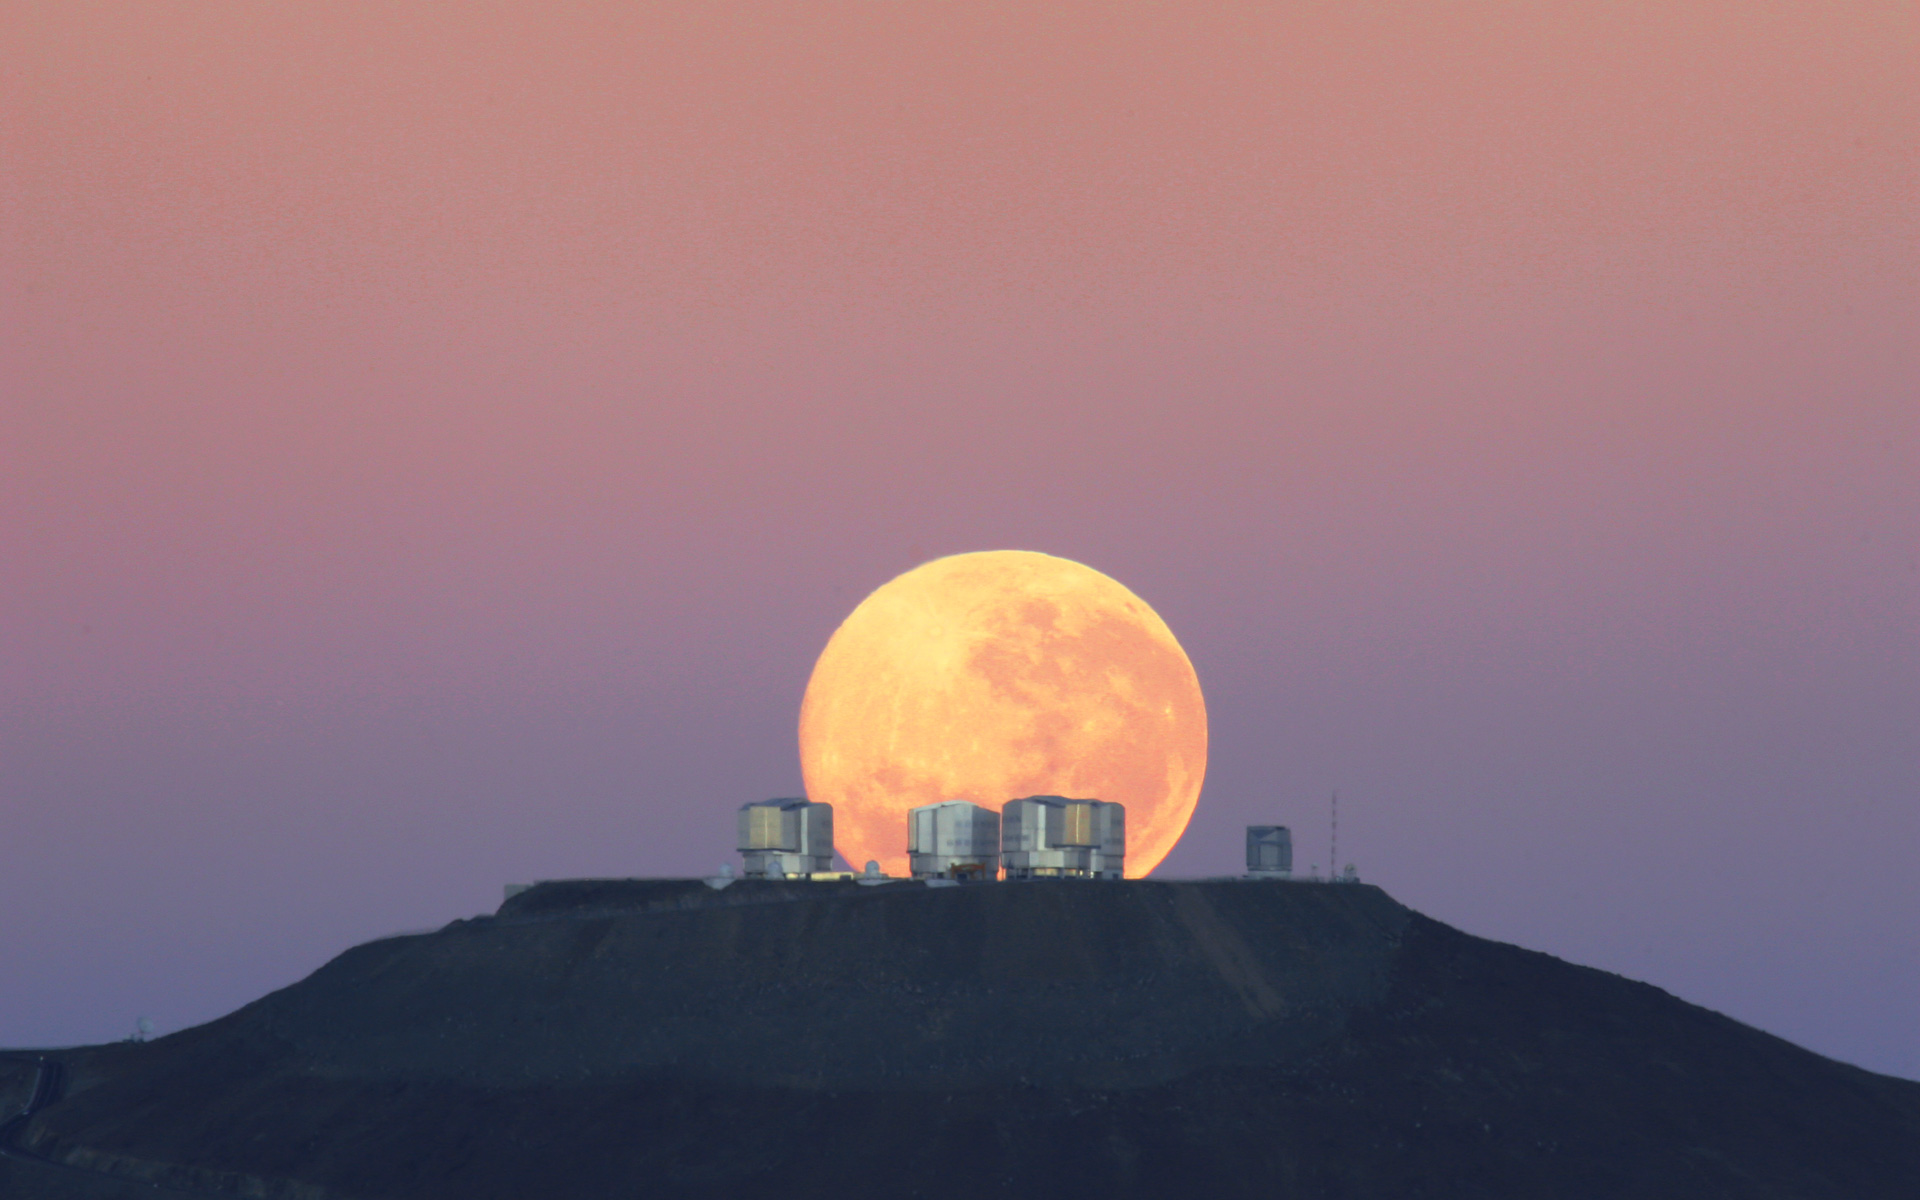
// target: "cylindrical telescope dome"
[[1269, 851], [955, 839]]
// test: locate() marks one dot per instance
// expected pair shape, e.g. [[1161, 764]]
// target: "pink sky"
[[434, 443]]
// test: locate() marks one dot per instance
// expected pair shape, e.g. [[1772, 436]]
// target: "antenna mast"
[[1333, 852]]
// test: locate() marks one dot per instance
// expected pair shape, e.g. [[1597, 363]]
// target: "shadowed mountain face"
[[657, 1038]]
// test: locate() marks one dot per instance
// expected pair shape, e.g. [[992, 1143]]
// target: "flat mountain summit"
[[661, 1038]]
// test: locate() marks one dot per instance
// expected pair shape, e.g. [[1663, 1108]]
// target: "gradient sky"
[[435, 442]]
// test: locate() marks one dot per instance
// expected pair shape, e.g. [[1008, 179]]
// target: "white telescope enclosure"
[[1056, 837], [954, 839], [1269, 852], [786, 837]]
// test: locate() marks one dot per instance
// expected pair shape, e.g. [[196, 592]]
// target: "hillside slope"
[[1062, 1039]]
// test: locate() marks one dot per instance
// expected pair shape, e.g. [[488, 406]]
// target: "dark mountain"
[[1225, 1039]]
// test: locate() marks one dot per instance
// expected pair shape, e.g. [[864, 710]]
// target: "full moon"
[[991, 676]]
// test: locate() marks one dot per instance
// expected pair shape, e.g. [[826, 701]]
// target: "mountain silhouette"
[[662, 1038]]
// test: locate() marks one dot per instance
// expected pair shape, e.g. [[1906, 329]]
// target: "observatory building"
[[1052, 837], [1269, 852], [954, 839], [792, 836]]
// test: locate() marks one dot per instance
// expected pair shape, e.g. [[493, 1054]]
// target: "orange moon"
[[991, 676]]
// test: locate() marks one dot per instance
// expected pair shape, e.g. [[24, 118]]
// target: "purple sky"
[[434, 448]]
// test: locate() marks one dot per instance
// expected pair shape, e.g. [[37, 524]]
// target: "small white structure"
[[1269, 852], [955, 839], [1055, 837], [784, 838]]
